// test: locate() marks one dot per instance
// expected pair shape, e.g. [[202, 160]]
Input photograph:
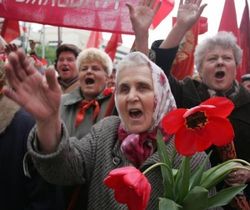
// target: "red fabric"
[[108, 91], [114, 42], [244, 34], [165, 9], [229, 23], [84, 106], [137, 147], [95, 39], [10, 30], [229, 18], [183, 65], [92, 15]]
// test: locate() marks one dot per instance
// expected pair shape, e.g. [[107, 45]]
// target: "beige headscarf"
[[137, 147]]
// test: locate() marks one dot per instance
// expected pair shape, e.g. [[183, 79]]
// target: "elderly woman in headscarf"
[[142, 98]]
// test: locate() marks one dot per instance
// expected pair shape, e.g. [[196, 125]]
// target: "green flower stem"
[[154, 166], [242, 167], [217, 173], [240, 161]]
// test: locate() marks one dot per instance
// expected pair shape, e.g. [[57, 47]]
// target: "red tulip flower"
[[131, 187], [196, 129]]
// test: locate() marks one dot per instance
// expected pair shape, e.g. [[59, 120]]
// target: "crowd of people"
[[84, 118]]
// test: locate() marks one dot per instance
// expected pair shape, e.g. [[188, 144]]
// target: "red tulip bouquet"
[[195, 130]]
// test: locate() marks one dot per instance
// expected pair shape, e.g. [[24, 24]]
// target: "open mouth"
[[219, 74], [135, 113], [65, 69], [89, 81]]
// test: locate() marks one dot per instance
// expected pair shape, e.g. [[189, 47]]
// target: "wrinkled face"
[[135, 98], [218, 69], [246, 84], [66, 66], [93, 79]]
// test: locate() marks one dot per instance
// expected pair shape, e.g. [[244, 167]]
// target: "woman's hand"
[[189, 13], [39, 95], [142, 15], [240, 176]]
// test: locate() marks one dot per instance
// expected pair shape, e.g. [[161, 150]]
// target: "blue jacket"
[[17, 191]]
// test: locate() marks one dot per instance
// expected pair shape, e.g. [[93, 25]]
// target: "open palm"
[[38, 95], [189, 12], [142, 15]]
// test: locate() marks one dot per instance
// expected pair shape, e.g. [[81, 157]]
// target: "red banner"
[[10, 30], [98, 15], [244, 43], [183, 65]]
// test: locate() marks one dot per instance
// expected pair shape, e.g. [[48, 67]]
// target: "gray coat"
[[91, 158]]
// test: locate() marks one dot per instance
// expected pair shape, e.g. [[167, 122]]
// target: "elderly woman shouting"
[[142, 97]]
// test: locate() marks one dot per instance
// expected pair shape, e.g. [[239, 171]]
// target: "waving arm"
[[37, 94]]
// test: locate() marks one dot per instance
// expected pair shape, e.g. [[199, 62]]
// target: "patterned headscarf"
[[137, 147], [164, 100]]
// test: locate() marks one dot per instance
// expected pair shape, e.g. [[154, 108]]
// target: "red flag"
[[229, 18], [10, 30], [95, 39], [165, 9], [114, 42], [244, 34], [184, 59]]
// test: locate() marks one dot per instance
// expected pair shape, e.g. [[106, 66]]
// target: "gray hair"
[[223, 39], [95, 55], [132, 60]]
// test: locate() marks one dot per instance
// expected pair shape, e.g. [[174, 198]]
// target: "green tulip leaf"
[[168, 179], [167, 204], [182, 180], [199, 196], [216, 174], [224, 196], [196, 176]]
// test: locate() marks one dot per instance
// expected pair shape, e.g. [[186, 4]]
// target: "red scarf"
[[83, 107], [137, 147]]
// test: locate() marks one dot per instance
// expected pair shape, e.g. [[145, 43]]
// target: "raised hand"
[[142, 15], [38, 95], [237, 177], [189, 12], [187, 15]]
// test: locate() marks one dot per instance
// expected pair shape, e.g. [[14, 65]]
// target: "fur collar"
[[7, 113]]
